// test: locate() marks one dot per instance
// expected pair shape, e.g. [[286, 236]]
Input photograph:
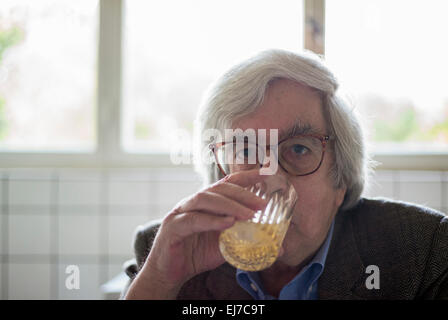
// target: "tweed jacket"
[[408, 244]]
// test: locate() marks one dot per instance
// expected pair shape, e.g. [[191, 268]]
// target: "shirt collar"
[[250, 281]]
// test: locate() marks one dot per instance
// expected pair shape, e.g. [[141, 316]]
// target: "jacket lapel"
[[344, 271]]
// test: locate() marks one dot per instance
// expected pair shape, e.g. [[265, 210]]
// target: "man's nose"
[[278, 182]]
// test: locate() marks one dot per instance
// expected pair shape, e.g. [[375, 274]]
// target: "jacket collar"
[[344, 274]]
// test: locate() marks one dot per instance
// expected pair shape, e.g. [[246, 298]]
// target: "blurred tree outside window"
[[9, 37], [389, 55], [48, 75], [392, 58], [173, 50]]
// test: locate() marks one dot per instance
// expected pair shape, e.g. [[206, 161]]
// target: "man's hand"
[[187, 241]]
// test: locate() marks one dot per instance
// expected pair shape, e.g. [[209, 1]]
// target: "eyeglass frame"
[[322, 138]]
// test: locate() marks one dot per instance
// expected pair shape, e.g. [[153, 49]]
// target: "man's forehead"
[[297, 127], [288, 107], [298, 124]]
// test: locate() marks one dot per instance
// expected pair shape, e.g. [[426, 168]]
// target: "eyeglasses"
[[300, 155]]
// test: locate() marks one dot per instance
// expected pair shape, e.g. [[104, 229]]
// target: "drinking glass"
[[254, 244]]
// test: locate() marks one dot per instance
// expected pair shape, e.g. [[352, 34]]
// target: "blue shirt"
[[302, 287]]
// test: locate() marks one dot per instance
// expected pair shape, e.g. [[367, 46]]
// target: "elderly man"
[[338, 245]]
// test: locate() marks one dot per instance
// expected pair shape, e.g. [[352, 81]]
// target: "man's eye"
[[298, 149], [243, 153]]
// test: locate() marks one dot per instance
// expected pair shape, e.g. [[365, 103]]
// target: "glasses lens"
[[239, 156], [300, 155]]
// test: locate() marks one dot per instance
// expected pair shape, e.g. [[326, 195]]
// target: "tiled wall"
[[428, 188], [54, 218]]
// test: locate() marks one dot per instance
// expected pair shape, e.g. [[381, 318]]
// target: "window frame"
[[109, 152]]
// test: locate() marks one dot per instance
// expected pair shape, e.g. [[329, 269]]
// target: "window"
[[47, 63], [97, 82], [173, 50], [392, 57]]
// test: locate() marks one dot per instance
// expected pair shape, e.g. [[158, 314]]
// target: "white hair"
[[241, 90]]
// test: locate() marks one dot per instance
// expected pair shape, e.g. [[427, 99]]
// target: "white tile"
[[160, 211], [29, 281], [31, 174], [126, 210], [445, 194], [129, 193], [172, 192], [34, 209], [2, 219], [30, 192], [420, 176], [114, 269], [1, 277], [79, 234], [175, 174], [385, 175], [442, 210], [79, 192], [423, 193], [164, 209], [121, 232], [80, 174], [89, 283], [29, 234], [445, 176], [378, 188], [79, 210], [1, 193], [129, 175]]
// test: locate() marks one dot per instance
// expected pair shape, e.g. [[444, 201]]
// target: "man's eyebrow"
[[297, 129]]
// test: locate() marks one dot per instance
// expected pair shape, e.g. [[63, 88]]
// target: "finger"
[[239, 194], [245, 178], [281, 252], [192, 222], [215, 203]]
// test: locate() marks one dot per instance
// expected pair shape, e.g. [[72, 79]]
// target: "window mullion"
[[314, 26], [109, 79]]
